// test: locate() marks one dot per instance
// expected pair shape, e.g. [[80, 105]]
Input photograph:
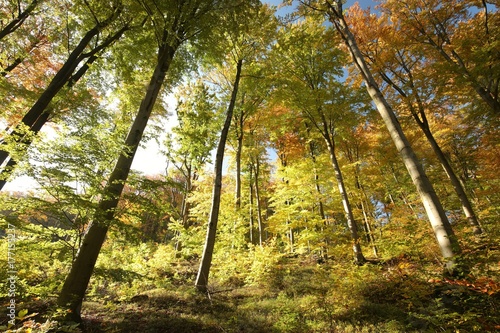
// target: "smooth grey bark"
[[443, 232], [455, 182], [206, 260], [327, 130], [76, 282]]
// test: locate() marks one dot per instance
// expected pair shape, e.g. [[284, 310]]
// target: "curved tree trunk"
[[206, 260], [445, 237], [76, 282]]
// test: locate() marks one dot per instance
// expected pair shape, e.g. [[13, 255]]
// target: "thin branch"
[[91, 11]]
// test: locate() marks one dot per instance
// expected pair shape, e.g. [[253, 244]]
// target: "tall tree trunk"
[[421, 119], [368, 229], [324, 249], [64, 75], [445, 237], [76, 282], [364, 203], [351, 223], [259, 206], [239, 148], [455, 182], [251, 217], [206, 260], [316, 178]]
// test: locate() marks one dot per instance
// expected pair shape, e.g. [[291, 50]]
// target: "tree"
[[17, 37], [194, 138], [445, 236], [18, 20], [311, 77], [206, 260], [69, 73], [462, 47], [405, 72], [247, 106], [174, 22], [243, 45], [255, 159]]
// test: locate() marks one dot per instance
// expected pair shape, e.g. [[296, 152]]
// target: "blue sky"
[[363, 3]]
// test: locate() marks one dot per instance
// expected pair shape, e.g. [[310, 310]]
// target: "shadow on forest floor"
[[168, 313], [303, 297], [307, 300]]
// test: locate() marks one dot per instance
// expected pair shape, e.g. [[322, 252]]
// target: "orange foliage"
[[285, 133], [482, 284]]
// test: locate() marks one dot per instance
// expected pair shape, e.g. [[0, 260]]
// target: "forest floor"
[[299, 294]]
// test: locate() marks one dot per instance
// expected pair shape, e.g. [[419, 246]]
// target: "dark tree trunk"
[[18, 21], [78, 278]]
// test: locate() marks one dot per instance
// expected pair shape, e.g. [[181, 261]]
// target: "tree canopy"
[[315, 164]]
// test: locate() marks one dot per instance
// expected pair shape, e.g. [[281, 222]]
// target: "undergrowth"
[[261, 290]]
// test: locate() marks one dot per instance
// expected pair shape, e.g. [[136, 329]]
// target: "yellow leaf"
[[22, 313]]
